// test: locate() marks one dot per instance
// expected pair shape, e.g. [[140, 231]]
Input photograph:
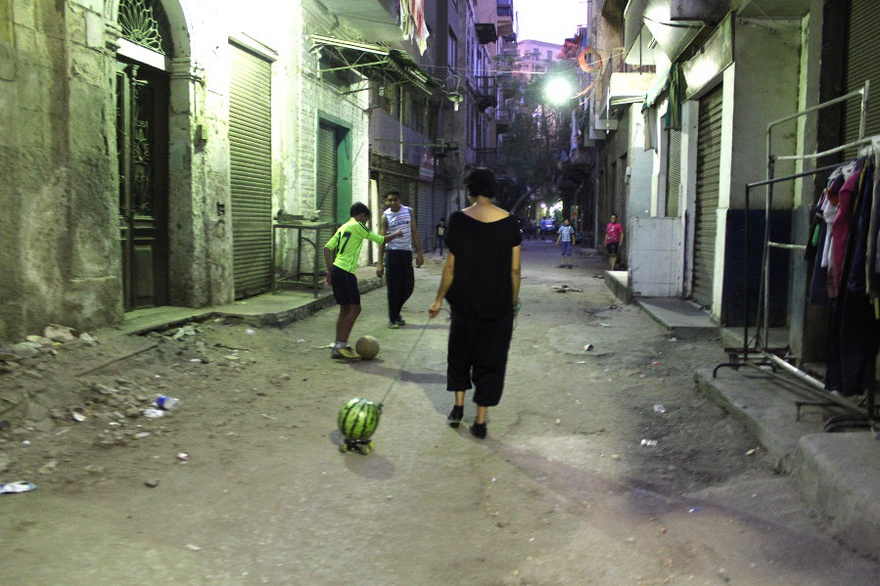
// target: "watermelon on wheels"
[[357, 421]]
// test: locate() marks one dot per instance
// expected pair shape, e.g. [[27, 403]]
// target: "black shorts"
[[477, 355], [612, 247], [345, 287]]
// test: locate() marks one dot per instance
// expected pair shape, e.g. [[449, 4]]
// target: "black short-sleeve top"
[[482, 286]]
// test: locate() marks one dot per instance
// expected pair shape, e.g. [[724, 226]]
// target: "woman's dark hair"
[[480, 181], [359, 208]]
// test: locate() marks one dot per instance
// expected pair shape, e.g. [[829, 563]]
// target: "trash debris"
[[152, 413], [78, 414], [566, 289], [752, 452], [648, 443], [184, 331], [167, 403], [605, 325], [58, 333], [16, 487], [182, 456], [588, 347], [658, 408]]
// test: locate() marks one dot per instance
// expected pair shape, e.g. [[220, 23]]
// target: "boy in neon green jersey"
[[341, 253]]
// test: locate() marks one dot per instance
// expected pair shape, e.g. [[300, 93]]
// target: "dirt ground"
[[603, 464]]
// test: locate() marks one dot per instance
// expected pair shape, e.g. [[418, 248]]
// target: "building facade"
[[150, 147], [680, 127]]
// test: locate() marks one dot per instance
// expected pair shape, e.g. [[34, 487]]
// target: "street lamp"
[[558, 91]]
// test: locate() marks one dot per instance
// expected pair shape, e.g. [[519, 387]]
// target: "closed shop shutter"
[[327, 193], [673, 173], [393, 175], [250, 162], [862, 64], [440, 209], [425, 214], [705, 214]]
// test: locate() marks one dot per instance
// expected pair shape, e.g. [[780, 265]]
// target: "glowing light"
[[558, 91]]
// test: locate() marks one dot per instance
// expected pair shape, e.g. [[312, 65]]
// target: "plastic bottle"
[[168, 403]]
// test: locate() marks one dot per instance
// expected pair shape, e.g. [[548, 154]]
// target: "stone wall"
[[59, 230]]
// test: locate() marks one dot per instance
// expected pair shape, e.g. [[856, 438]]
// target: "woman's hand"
[[434, 310]]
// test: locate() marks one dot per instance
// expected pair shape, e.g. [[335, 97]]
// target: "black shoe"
[[400, 322], [478, 430], [455, 416]]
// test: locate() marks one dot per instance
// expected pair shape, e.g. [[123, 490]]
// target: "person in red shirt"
[[613, 240]]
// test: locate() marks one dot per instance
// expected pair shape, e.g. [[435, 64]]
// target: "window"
[[452, 49]]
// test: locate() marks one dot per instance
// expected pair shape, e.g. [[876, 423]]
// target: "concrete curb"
[[837, 473]]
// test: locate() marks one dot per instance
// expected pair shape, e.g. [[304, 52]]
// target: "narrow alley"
[[603, 463]]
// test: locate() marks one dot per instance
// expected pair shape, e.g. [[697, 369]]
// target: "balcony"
[[485, 92], [619, 86], [487, 157], [486, 32], [505, 17], [503, 118], [507, 83]]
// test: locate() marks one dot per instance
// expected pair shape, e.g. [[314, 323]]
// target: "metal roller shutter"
[[705, 214], [404, 181], [425, 214], [862, 64], [250, 162], [327, 192], [673, 173], [440, 209]]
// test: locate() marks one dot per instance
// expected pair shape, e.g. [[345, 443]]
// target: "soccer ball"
[[367, 347], [358, 419]]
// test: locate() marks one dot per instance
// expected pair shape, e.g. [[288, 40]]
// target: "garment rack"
[[780, 358]]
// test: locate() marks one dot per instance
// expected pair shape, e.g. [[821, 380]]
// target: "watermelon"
[[358, 419]]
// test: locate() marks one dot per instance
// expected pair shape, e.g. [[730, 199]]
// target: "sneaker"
[[455, 416], [393, 325], [400, 322], [345, 353], [478, 430]]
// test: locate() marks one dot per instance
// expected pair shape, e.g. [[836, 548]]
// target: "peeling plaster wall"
[[60, 263]]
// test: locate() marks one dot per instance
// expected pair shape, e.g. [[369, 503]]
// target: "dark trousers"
[[477, 355], [400, 280]]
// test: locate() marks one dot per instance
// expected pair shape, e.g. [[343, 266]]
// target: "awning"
[[375, 62]]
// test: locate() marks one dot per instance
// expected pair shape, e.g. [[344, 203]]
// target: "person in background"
[[440, 236], [566, 238], [341, 254], [613, 240], [480, 280], [396, 260]]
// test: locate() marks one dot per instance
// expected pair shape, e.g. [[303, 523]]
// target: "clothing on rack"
[[854, 336]]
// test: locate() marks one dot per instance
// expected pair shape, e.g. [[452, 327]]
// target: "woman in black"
[[481, 283]]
